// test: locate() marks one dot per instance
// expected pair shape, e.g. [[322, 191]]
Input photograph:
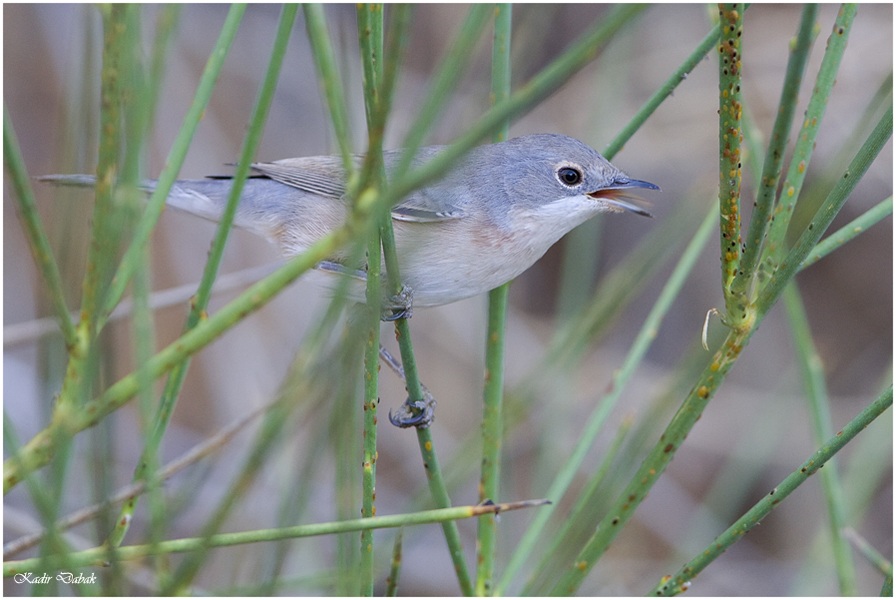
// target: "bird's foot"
[[399, 306], [415, 413]]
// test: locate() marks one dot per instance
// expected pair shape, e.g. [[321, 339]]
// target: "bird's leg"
[[412, 413]]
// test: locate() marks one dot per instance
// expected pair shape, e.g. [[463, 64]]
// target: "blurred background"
[[757, 422]]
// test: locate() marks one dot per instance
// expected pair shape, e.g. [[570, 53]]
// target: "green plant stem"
[[493, 392], [444, 82], [730, 171], [712, 376], [377, 111], [827, 211], [37, 238], [816, 391], [395, 567], [664, 91], [583, 505], [869, 552], [40, 449], [774, 157], [166, 24], [678, 582], [199, 303], [325, 61], [102, 249], [849, 231], [595, 422], [776, 246], [96, 555], [434, 474], [173, 162], [370, 34]]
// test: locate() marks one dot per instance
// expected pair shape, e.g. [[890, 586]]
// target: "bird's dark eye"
[[569, 176]]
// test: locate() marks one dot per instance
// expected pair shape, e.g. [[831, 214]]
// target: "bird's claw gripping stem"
[[415, 413]]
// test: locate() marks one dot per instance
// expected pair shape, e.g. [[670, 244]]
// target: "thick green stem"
[[730, 171]]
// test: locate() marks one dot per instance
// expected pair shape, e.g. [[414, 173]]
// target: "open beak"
[[615, 195]]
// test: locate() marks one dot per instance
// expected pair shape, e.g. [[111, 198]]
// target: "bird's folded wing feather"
[[321, 175], [325, 176]]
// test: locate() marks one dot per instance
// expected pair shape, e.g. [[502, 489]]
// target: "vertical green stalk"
[[166, 24], [324, 59], [493, 393], [82, 366], [395, 568], [776, 247], [403, 333], [370, 34], [730, 172], [816, 391], [101, 249]]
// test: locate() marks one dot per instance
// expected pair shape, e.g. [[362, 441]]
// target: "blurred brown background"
[[848, 295]]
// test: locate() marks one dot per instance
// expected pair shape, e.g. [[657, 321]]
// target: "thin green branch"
[[776, 246], [774, 157], [328, 76], [199, 303], [166, 23], [849, 231], [587, 499], [92, 556], [664, 91], [822, 428], [493, 392], [827, 211], [41, 448], [173, 162], [642, 343], [680, 580], [395, 566], [880, 562], [37, 238], [102, 247]]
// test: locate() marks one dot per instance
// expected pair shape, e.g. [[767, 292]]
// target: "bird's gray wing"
[[325, 176], [321, 175]]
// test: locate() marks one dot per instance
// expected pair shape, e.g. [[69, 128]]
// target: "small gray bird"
[[480, 225]]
